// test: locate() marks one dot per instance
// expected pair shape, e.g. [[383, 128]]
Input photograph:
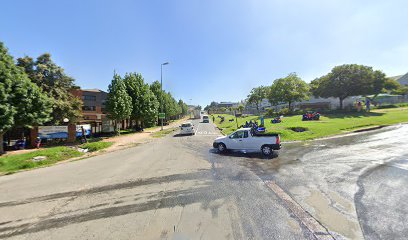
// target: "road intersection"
[[178, 187]]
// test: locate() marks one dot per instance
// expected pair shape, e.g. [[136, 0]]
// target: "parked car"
[[206, 119], [187, 128], [249, 140]]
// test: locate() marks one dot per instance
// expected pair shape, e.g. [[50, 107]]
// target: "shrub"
[[270, 112], [95, 146], [283, 111], [386, 106]]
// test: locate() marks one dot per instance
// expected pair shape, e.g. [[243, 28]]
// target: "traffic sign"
[[162, 115]]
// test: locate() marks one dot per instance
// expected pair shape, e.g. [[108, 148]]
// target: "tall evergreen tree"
[[119, 103], [144, 102], [183, 106]]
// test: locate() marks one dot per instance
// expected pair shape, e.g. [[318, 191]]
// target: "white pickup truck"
[[248, 140]]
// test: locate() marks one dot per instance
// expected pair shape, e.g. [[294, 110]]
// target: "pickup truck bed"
[[265, 134]]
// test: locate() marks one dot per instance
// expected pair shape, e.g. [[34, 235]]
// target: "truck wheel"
[[267, 150], [221, 148]]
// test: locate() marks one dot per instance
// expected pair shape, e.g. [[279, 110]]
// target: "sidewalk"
[[119, 142], [133, 139]]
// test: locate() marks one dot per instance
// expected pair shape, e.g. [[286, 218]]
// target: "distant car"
[[187, 128], [206, 119]]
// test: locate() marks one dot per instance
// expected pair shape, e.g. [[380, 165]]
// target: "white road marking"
[[207, 133], [197, 128], [398, 165]]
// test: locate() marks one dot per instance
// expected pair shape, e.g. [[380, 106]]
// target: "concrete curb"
[[306, 219]]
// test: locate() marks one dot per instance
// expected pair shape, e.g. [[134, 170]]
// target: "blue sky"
[[218, 50]]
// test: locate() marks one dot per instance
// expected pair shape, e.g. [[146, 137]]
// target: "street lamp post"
[[161, 91]]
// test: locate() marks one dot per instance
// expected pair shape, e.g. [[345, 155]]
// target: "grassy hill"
[[328, 125]]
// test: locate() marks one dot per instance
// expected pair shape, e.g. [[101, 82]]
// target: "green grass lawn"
[[95, 146], [163, 133], [12, 163], [328, 125]]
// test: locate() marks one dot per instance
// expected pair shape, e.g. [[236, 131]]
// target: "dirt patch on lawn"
[[298, 129]]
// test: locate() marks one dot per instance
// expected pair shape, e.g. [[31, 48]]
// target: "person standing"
[[83, 137], [367, 103], [359, 106], [38, 142]]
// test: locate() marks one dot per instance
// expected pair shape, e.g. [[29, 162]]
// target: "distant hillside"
[[396, 77], [403, 80]]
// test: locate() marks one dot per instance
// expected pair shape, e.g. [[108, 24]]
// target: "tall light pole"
[[161, 91]]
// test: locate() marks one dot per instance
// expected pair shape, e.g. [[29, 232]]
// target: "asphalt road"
[[178, 187]]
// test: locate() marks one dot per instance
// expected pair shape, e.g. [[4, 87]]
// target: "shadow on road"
[[205, 194], [182, 135], [241, 154]]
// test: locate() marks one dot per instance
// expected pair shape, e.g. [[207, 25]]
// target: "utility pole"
[[161, 92]]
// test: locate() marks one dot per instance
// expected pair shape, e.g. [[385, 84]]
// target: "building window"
[[88, 108], [89, 97]]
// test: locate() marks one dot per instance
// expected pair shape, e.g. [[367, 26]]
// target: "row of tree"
[[129, 97], [38, 92], [215, 108], [342, 82], [34, 93]]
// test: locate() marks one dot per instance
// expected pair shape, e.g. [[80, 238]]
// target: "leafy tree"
[[151, 106], [184, 107], [257, 95], [155, 87], [288, 90], [22, 103], [171, 107], [381, 84], [212, 107], [401, 90], [350, 80], [241, 108], [52, 79], [32, 105], [118, 103], [391, 84], [144, 102], [7, 74]]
